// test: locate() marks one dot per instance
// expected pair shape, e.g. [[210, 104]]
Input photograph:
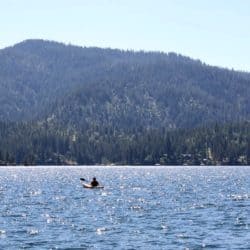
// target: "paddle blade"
[[82, 179]]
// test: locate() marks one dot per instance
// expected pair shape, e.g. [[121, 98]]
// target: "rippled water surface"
[[139, 208]]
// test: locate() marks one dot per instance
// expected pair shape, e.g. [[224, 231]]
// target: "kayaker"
[[94, 182]]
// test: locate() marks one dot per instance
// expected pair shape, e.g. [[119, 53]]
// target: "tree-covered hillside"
[[62, 104], [78, 86]]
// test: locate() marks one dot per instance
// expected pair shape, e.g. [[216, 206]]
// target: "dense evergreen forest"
[[62, 104], [33, 144]]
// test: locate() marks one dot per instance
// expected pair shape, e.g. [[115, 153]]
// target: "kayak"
[[90, 186]]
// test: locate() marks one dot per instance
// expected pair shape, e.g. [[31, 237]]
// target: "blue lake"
[[139, 208]]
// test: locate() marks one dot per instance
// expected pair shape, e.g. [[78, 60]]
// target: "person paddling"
[[94, 182]]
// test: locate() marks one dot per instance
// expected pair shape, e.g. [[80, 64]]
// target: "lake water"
[[139, 208]]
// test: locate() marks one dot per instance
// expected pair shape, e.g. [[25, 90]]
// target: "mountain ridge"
[[144, 88], [41, 41]]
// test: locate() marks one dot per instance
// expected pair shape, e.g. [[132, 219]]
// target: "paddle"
[[82, 179]]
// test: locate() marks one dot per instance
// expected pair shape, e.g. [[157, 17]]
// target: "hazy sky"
[[215, 31]]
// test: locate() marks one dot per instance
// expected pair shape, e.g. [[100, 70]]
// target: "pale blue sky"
[[215, 31]]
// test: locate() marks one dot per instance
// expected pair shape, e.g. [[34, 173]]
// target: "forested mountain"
[[78, 86], [62, 104]]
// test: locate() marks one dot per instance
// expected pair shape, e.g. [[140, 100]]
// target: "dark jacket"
[[94, 183]]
